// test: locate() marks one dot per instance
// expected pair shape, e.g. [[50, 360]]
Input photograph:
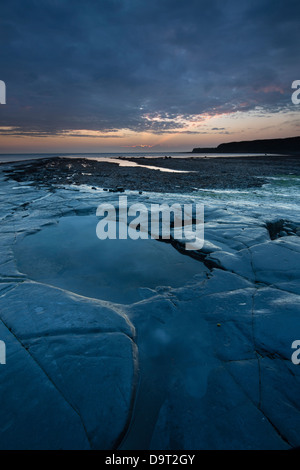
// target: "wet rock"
[[84, 351], [72, 361]]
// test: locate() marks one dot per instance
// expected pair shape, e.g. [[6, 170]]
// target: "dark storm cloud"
[[104, 65]]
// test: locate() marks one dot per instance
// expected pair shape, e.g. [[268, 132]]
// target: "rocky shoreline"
[[206, 365], [200, 172]]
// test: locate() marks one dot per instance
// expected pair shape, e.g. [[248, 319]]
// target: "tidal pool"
[[172, 345], [70, 256]]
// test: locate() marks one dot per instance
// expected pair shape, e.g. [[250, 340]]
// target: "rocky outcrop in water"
[[267, 146]]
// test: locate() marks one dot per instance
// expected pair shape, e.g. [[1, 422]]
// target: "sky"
[[146, 75]]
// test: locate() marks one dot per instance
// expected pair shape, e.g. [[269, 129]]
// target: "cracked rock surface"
[[206, 365]]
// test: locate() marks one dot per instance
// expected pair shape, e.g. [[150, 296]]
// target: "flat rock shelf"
[[197, 356]]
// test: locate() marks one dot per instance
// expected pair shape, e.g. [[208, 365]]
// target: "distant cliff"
[[282, 146]]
